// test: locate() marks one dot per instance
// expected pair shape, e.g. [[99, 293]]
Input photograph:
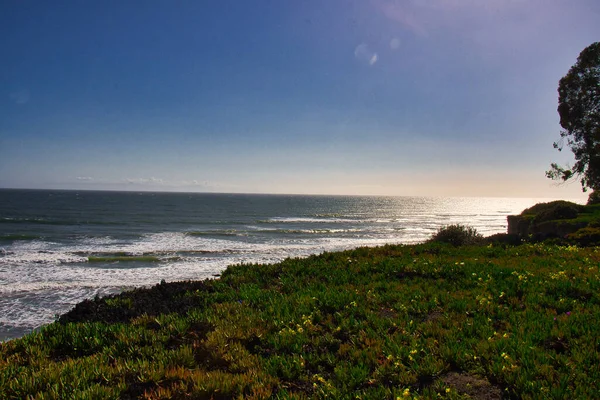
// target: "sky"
[[365, 97]]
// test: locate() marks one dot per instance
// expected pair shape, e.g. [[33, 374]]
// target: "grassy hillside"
[[424, 321]]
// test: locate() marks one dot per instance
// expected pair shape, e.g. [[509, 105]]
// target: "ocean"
[[58, 248]]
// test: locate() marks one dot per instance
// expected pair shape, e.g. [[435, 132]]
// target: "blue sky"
[[393, 97]]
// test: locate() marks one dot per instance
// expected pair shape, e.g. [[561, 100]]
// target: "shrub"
[[588, 236], [503, 239], [554, 210], [457, 235], [558, 212]]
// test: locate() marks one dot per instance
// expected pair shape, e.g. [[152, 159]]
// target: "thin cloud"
[[507, 33], [85, 178], [402, 12], [144, 181], [198, 183], [153, 181], [424, 17], [193, 182]]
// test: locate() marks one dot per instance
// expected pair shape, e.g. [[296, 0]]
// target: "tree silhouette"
[[579, 110]]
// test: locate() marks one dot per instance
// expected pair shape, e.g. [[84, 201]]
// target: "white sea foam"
[[310, 220], [36, 257]]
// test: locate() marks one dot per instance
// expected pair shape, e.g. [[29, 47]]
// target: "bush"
[[457, 235], [503, 239], [554, 210], [588, 236], [558, 212]]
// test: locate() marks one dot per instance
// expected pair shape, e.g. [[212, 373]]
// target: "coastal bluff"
[[559, 220]]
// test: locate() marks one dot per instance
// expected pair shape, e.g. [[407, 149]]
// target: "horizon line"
[[275, 194]]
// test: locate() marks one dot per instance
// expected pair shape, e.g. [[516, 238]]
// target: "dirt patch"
[[500, 325], [559, 345], [387, 313], [476, 388], [433, 316], [136, 389], [208, 359]]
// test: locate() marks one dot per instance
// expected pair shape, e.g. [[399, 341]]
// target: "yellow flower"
[[406, 392]]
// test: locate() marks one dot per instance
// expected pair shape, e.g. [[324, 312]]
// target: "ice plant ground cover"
[[419, 321]]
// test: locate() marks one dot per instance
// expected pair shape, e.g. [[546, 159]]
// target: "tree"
[[579, 110]]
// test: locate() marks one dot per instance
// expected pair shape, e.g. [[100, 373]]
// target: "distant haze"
[[375, 97]]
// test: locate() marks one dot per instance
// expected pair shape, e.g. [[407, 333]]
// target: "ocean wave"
[[97, 240], [13, 258], [257, 230], [316, 231], [52, 287], [27, 278], [78, 257], [227, 232], [291, 220]]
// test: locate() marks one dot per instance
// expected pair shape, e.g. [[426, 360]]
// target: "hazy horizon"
[[379, 97], [145, 190]]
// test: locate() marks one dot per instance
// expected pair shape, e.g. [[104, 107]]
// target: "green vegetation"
[[457, 235], [564, 222], [423, 321], [559, 209]]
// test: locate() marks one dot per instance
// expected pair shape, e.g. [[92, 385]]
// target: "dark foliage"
[[457, 235], [559, 209], [579, 110], [151, 301], [504, 239], [593, 198], [588, 236]]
